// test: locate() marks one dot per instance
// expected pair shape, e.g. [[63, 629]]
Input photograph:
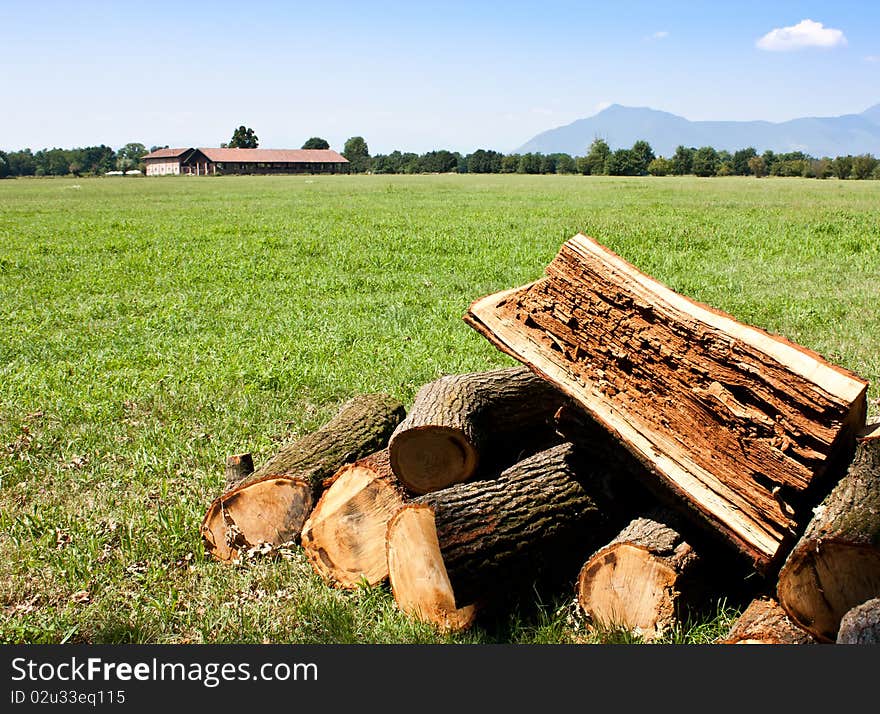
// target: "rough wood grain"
[[451, 550], [344, 537], [764, 622], [725, 416], [639, 581], [835, 566], [272, 504], [464, 422]]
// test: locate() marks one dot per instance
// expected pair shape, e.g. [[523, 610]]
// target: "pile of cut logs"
[[651, 449]]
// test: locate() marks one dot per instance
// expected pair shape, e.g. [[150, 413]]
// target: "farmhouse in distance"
[[208, 162]]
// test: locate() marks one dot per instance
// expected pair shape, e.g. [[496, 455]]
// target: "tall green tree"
[[4, 165], [863, 166], [596, 160], [21, 163], [623, 162], [129, 156], [358, 154], [842, 166], [565, 164], [740, 161], [705, 161], [642, 155], [683, 160], [244, 138], [316, 142]]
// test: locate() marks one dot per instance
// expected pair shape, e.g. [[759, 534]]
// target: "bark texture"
[[764, 622], [491, 533], [836, 564], [640, 580], [861, 625], [344, 537], [238, 468], [725, 416], [465, 422], [272, 504], [362, 427]]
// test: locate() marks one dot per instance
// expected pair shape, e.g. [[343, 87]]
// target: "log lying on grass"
[[460, 422], [272, 504], [344, 537], [764, 622], [731, 421], [861, 625], [835, 566], [641, 579], [453, 549]]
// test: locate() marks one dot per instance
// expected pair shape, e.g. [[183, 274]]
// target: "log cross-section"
[[734, 421]]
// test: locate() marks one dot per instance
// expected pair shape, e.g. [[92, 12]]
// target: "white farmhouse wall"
[[163, 167]]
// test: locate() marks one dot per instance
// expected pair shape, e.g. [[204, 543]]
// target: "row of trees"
[[600, 159], [638, 160], [83, 161]]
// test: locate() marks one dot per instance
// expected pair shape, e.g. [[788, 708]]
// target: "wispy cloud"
[[660, 35], [807, 33], [872, 58]]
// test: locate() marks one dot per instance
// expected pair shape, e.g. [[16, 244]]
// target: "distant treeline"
[[639, 160], [84, 161], [600, 159]]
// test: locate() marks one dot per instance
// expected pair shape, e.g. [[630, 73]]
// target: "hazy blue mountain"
[[622, 126]]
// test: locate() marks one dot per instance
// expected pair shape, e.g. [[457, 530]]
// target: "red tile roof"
[[166, 153], [287, 156]]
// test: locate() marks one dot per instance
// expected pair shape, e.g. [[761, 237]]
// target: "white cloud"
[[872, 58], [660, 35], [807, 33]]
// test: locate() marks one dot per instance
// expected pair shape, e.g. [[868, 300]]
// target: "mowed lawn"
[[153, 326]]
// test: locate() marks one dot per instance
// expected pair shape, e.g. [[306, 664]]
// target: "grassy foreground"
[[153, 326]]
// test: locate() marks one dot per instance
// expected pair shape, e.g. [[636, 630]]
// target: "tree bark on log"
[[836, 564], [861, 625], [640, 580], [272, 504], [238, 468], [726, 417], [463, 422], [344, 537], [451, 550], [764, 622]]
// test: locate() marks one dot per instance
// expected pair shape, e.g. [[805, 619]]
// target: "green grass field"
[[153, 326]]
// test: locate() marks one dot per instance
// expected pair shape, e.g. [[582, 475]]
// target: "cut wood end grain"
[[344, 538], [271, 510]]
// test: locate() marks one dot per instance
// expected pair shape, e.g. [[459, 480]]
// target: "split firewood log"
[[641, 580], [344, 537], [453, 550], [272, 504], [733, 422], [861, 625], [764, 622], [463, 422], [836, 564]]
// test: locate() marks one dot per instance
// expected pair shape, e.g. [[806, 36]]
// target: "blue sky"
[[415, 76]]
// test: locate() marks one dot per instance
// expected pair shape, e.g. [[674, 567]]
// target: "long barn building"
[[209, 162]]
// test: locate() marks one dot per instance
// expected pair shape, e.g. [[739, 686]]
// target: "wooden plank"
[[732, 420]]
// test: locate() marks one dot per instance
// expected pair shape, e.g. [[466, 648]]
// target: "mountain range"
[[622, 126]]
